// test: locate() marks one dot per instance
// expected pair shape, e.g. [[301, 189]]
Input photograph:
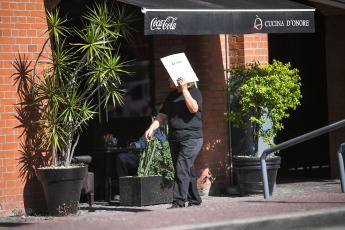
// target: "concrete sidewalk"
[[318, 204]]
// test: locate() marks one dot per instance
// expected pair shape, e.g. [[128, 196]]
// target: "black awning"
[[193, 17]]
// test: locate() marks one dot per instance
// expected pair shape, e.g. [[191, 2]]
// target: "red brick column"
[[21, 29]]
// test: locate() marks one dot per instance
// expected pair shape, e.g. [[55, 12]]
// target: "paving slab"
[[316, 204]]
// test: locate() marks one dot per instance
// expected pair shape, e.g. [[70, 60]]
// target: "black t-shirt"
[[183, 125]]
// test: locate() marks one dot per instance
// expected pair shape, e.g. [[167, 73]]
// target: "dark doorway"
[[305, 52]]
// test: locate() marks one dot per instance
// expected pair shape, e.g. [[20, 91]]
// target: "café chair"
[[88, 181]]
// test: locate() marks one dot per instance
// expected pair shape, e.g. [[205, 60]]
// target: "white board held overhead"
[[177, 66]]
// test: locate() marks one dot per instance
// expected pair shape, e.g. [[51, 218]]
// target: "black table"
[[107, 184]]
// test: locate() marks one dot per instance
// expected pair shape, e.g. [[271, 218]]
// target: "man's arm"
[[141, 143], [191, 103], [160, 119]]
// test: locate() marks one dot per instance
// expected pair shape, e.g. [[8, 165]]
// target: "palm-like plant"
[[65, 89]]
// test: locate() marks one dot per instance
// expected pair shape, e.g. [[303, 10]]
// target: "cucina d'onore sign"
[[259, 24]]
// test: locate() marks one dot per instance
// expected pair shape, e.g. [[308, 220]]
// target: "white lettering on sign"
[[163, 24], [258, 24], [297, 22], [274, 23]]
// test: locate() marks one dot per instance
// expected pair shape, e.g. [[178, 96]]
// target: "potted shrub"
[[260, 94], [154, 183], [64, 89]]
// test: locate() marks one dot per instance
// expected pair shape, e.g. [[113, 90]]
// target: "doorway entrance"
[[306, 52]]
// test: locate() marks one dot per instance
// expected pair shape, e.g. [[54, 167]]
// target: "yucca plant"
[[75, 72]]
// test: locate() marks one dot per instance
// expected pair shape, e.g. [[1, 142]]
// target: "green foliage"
[[163, 163], [156, 158], [146, 158], [260, 94], [74, 73]]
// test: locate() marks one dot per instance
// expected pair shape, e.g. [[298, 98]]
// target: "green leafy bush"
[[261, 94]]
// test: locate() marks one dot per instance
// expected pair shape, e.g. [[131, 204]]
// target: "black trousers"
[[125, 162], [183, 155]]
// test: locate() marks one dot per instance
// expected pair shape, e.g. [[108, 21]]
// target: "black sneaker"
[[193, 204], [175, 205]]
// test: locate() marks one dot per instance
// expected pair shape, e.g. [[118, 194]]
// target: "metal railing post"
[[341, 166], [264, 175]]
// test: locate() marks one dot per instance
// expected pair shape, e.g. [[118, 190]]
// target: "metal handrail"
[[300, 139]]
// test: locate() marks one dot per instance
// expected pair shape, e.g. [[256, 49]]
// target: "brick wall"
[[335, 56], [21, 29], [247, 48], [255, 47], [208, 59]]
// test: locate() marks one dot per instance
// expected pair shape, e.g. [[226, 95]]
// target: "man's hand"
[[183, 83], [148, 134], [160, 118]]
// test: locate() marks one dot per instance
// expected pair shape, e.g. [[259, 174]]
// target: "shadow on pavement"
[[124, 209], [13, 225]]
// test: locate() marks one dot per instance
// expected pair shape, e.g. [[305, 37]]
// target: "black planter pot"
[[62, 189], [141, 191], [249, 176]]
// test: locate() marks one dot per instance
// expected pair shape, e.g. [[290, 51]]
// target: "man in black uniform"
[[182, 108]]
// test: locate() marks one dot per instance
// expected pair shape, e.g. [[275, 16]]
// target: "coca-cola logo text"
[[163, 24]]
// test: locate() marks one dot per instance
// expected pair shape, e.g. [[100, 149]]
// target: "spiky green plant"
[[147, 156], [65, 89], [156, 158]]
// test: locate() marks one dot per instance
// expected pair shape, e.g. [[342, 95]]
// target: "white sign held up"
[[177, 66]]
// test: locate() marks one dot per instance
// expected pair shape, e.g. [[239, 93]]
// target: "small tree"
[[65, 89], [262, 94]]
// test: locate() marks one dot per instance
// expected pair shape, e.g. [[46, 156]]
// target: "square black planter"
[[141, 191]]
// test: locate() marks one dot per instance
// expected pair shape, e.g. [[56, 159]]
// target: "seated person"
[[130, 160]]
